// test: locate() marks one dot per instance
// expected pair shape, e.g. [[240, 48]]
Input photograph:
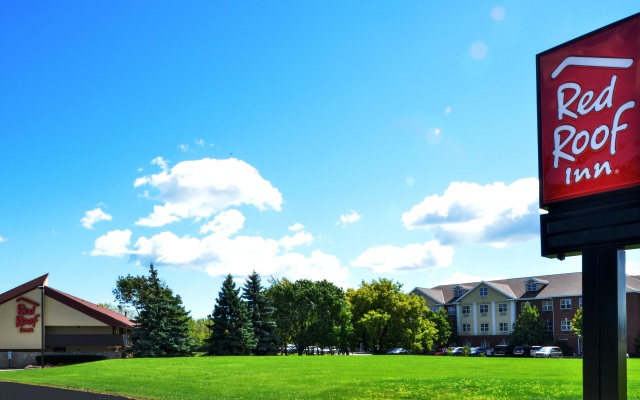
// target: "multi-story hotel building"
[[484, 313], [36, 319]]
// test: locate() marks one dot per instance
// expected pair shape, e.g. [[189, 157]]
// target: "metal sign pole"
[[604, 369]]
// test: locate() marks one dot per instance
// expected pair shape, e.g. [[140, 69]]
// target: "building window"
[[547, 306], [580, 302], [565, 325], [504, 327], [457, 292], [434, 309], [466, 328], [484, 328], [549, 325], [484, 292], [502, 308], [451, 310], [522, 305], [484, 309], [565, 304], [532, 287], [466, 310]]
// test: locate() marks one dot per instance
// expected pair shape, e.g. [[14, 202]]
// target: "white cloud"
[[201, 188], [94, 216], [3, 239], [412, 257], [350, 218], [161, 162], [113, 244], [226, 223], [183, 147], [169, 249], [219, 255], [296, 227], [496, 214], [298, 239]]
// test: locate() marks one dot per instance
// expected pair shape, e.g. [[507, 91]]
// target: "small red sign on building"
[[589, 114], [26, 318]]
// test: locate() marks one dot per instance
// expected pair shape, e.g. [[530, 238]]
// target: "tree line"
[[256, 320]]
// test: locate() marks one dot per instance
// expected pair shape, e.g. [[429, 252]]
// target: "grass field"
[[323, 377]]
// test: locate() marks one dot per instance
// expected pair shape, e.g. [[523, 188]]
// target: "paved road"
[[10, 390]]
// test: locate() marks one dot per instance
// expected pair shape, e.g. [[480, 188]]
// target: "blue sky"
[[338, 140]]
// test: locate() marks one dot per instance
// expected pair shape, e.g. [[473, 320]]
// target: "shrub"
[[68, 359], [564, 346]]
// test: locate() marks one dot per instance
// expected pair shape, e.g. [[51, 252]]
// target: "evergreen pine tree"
[[162, 328], [231, 332], [261, 314]]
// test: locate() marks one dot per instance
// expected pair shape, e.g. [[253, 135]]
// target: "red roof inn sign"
[[589, 140], [26, 318]]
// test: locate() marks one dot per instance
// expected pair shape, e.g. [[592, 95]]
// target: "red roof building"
[[36, 318]]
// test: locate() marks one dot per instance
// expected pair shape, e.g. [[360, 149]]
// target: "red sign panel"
[[26, 318], [589, 114]]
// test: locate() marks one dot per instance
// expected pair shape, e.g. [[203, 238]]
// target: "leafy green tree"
[[261, 314], [231, 332], [442, 325], [576, 322], [385, 317], [162, 328], [199, 332], [529, 327], [309, 313], [127, 312]]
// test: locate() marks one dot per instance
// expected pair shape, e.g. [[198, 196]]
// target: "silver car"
[[549, 352]]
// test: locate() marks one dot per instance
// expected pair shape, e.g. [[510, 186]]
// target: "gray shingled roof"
[[569, 284], [435, 294]]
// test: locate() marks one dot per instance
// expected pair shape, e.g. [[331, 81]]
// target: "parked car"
[[477, 351], [549, 352], [503, 350], [489, 352], [398, 350], [456, 351], [292, 348], [518, 351], [533, 349], [441, 351]]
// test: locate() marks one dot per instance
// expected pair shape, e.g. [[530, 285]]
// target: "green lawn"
[[322, 377]]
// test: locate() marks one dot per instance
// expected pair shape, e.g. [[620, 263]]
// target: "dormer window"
[[457, 292], [535, 284]]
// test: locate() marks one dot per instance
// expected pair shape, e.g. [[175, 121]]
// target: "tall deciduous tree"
[[310, 313], [529, 327], [261, 314], [162, 328], [385, 317], [576, 322], [199, 332], [442, 325], [231, 332]]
